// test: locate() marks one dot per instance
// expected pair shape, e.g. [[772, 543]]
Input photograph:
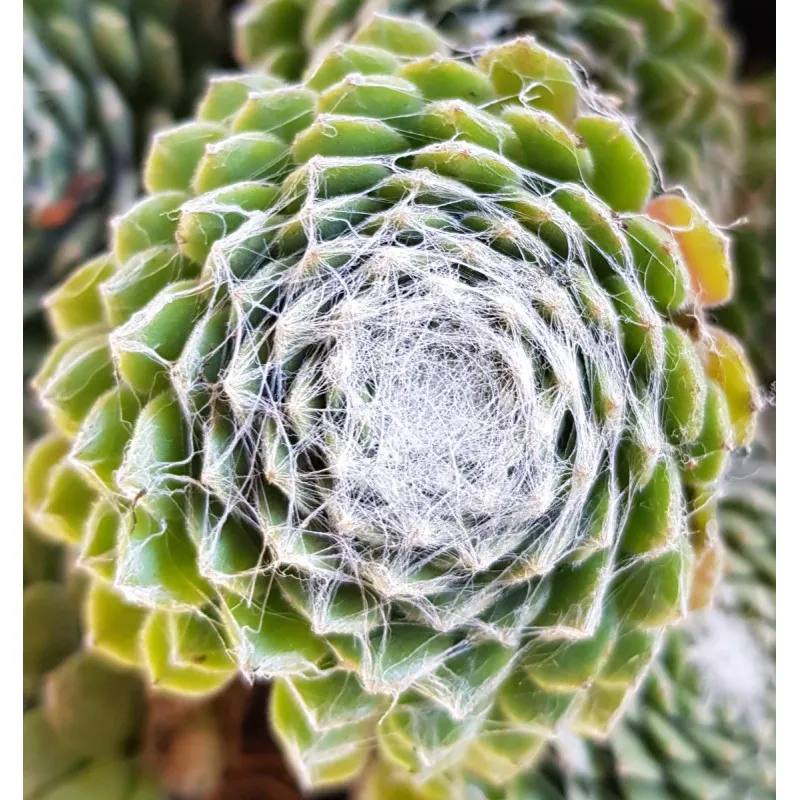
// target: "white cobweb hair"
[[437, 435], [737, 676]]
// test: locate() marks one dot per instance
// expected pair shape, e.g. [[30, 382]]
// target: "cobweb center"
[[436, 439]]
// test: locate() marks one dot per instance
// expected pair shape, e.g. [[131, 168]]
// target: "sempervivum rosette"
[[97, 73], [396, 387]]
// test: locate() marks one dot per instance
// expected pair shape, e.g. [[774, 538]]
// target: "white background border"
[[788, 395]]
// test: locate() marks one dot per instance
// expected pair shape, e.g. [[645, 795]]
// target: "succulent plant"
[[72, 146], [83, 716], [670, 64], [97, 75], [396, 388]]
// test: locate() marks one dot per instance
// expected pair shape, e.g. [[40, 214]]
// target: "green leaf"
[[621, 173]]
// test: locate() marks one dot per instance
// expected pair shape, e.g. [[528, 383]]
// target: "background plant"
[[98, 77], [83, 716]]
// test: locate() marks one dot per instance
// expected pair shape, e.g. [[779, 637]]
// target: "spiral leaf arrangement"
[[396, 388]]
